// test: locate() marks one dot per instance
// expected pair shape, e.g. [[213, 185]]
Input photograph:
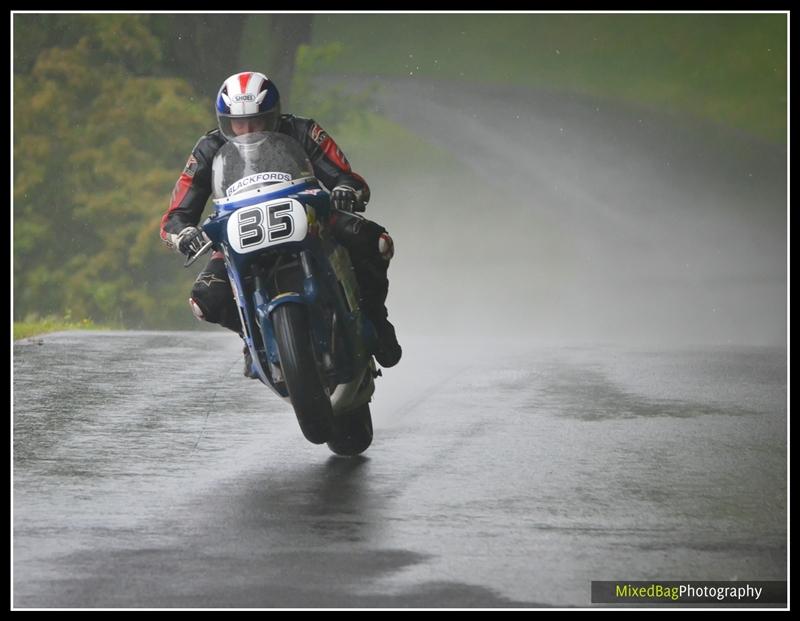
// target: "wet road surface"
[[502, 474]]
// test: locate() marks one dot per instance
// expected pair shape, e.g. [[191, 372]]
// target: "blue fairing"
[[321, 292], [304, 192]]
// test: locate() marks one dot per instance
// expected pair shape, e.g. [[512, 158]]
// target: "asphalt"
[[509, 480]]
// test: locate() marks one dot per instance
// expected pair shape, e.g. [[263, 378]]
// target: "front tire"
[[352, 432], [311, 402]]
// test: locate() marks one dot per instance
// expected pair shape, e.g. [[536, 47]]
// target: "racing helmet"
[[247, 102]]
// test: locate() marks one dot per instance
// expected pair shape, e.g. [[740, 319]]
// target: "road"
[[513, 479]]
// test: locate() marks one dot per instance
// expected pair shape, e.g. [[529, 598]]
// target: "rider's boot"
[[371, 276], [389, 351]]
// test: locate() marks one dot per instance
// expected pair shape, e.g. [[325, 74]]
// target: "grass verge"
[[33, 326], [727, 68]]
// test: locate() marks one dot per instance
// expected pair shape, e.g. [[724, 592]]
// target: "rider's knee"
[[197, 311], [362, 237], [207, 303], [386, 246]]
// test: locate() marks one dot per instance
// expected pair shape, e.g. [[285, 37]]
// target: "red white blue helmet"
[[248, 95]]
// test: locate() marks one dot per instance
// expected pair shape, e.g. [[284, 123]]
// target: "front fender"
[[285, 298], [264, 312]]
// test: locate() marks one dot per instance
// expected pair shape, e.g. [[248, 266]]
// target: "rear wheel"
[[311, 402], [352, 432]]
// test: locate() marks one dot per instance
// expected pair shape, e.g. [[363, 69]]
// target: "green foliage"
[[98, 145], [33, 325], [331, 106], [727, 68]]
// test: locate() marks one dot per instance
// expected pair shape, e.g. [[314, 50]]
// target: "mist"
[[570, 219]]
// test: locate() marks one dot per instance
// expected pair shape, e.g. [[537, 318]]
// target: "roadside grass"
[[34, 325], [727, 68], [375, 145]]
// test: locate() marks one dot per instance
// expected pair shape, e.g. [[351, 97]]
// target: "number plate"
[[267, 224]]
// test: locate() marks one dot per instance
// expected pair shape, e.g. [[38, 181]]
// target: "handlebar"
[[192, 258]]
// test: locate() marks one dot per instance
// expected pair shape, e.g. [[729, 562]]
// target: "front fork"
[[264, 307]]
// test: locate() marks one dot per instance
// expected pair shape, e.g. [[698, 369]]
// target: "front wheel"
[[311, 402], [352, 432]]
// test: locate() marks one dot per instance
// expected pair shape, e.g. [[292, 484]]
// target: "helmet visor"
[[232, 126]]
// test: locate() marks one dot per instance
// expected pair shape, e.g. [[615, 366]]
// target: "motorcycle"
[[295, 288]]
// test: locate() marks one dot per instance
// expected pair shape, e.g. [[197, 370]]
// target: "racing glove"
[[190, 240], [344, 198]]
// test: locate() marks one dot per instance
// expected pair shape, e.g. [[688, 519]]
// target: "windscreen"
[[255, 160]]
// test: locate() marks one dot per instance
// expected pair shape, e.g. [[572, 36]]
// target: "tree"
[[287, 33], [106, 109], [203, 49], [97, 146]]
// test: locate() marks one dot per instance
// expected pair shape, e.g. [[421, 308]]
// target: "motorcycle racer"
[[250, 102]]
